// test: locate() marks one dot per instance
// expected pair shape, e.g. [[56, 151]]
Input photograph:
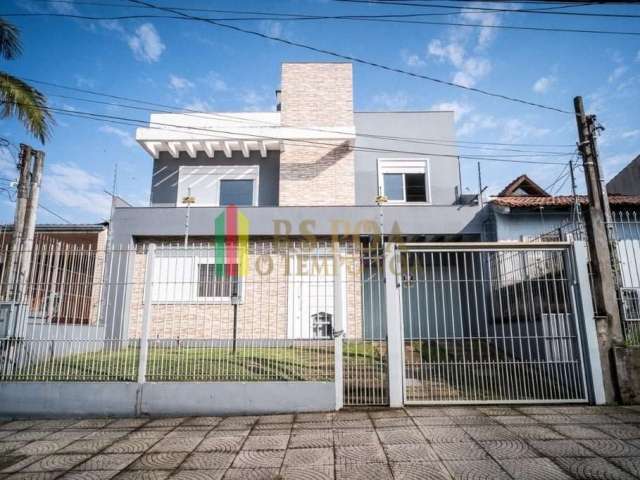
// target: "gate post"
[[146, 313], [585, 306], [395, 334], [338, 322]]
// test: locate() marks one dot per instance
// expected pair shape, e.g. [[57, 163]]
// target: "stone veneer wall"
[[263, 312], [317, 172]]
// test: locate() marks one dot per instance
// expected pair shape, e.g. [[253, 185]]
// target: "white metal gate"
[[490, 323]]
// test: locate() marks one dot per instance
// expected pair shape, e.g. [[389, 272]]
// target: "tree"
[[18, 98]]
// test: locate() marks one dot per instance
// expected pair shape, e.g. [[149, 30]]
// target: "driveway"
[[540, 442]]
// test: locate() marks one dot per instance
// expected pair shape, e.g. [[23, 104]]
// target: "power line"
[[229, 116], [358, 60], [371, 18], [183, 129]]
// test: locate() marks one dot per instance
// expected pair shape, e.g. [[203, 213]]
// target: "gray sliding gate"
[[490, 323]]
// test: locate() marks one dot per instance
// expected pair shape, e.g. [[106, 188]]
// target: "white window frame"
[[402, 166], [219, 172]]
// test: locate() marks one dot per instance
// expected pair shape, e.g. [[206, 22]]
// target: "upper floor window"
[[404, 181], [219, 185]]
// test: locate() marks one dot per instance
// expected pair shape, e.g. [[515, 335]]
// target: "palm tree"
[[17, 98]]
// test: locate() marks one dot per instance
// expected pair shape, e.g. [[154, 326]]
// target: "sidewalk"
[[545, 443]]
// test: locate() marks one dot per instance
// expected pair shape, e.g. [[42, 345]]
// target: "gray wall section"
[[627, 181], [424, 127], [84, 399], [164, 182], [517, 223]]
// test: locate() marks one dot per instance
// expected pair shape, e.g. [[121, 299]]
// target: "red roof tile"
[[561, 201]]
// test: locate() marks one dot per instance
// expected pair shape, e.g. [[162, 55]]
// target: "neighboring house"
[[312, 167], [627, 181]]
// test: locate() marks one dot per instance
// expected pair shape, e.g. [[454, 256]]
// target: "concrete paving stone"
[[393, 422], [594, 419], [364, 424], [42, 447], [229, 432], [461, 411], [592, 469], [18, 424], [435, 421], [128, 423], [410, 453], [256, 432], [89, 475], [360, 454], [58, 462], [535, 432], [271, 426], [560, 448], [282, 418], [388, 413], [252, 474], [419, 471], [309, 456], [107, 434], [313, 439], [189, 431], [472, 469], [165, 422], [208, 460], [198, 474], [459, 451], [580, 432], [131, 445], [424, 412], [371, 471], [148, 433], [312, 472], [629, 464], [489, 432], [515, 420], [159, 461], [202, 421], [143, 475], [246, 420], [266, 442], [392, 436], [55, 423], [621, 431], [108, 461], [13, 464], [553, 419], [259, 459], [326, 425], [34, 476], [498, 411], [87, 446], [68, 434], [444, 434], [473, 420], [6, 433], [178, 444], [627, 418], [355, 437], [350, 415], [93, 423], [315, 417], [611, 448], [28, 435], [508, 449], [574, 409], [533, 469], [7, 447], [537, 410], [221, 444]]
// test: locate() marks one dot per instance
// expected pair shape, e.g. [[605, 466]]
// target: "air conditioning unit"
[[13, 319]]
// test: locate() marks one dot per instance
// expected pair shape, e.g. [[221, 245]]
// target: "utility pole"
[[608, 322], [18, 223], [28, 235]]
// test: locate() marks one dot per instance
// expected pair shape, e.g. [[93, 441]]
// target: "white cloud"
[[543, 84], [70, 186], [618, 72], [392, 101], [146, 44], [515, 129], [486, 34], [125, 137], [631, 134], [215, 81], [469, 68], [179, 83], [459, 109], [271, 28], [638, 56], [63, 7], [412, 59], [199, 105], [7, 164], [255, 100], [475, 123]]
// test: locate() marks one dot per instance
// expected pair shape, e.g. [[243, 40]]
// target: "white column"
[[339, 304], [395, 333], [146, 314]]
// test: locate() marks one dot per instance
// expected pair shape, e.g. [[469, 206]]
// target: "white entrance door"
[[311, 297]]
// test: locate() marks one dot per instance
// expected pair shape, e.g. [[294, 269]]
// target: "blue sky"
[[201, 67]]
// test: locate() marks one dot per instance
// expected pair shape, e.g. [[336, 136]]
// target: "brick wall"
[[319, 173]]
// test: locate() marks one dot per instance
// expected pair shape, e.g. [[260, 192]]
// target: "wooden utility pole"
[[13, 261], [26, 250], [608, 322]]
